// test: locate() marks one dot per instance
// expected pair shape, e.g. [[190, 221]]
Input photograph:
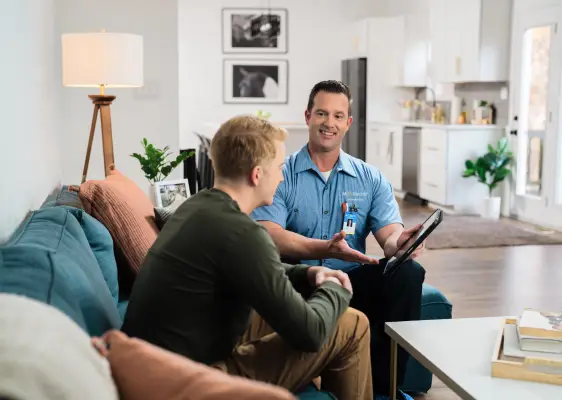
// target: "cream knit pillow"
[[45, 355]]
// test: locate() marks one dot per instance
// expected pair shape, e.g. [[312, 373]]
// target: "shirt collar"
[[303, 162]]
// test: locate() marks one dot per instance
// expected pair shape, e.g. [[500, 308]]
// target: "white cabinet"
[[357, 39], [400, 44], [443, 153], [470, 40], [384, 151], [408, 50]]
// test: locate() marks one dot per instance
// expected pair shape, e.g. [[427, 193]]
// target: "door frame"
[[542, 211]]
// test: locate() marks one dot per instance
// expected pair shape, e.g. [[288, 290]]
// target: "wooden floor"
[[491, 282]]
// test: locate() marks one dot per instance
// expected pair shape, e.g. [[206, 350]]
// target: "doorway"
[[535, 109]]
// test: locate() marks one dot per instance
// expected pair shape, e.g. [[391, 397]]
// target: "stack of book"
[[540, 331]]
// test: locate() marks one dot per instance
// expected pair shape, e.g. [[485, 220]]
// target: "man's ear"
[[307, 116], [349, 121], [255, 175]]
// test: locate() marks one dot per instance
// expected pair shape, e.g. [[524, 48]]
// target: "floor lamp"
[[102, 60]]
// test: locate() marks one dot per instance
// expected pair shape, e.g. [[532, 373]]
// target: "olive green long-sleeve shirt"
[[209, 267]]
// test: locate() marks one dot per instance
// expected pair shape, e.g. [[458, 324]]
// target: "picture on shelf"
[[254, 30], [255, 81], [170, 192]]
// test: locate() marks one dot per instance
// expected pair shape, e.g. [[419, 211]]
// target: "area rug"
[[470, 231]]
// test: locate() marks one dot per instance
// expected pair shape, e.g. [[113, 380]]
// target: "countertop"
[[424, 124]]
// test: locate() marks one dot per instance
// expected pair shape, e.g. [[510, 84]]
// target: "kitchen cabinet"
[[399, 45], [384, 151], [440, 155], [408, 46], [470, 40], [357, 39], [443, 153]]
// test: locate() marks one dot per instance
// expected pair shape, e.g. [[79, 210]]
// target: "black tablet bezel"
[[393, 265]]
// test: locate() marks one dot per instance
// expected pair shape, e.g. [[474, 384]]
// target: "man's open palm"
[[339, 248]]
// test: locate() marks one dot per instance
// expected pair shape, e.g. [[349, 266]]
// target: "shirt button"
[[325, 211], [296, 210], [324, 237]]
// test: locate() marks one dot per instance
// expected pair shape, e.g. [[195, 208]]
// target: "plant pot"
[[152, 194], [491, 207]]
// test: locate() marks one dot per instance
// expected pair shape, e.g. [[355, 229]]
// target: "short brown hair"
[[242, 143], [330, 87]]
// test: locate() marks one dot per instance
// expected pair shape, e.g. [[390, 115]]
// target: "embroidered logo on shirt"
[[354, 196]]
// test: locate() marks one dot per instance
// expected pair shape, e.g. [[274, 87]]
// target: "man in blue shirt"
[[323, 212]]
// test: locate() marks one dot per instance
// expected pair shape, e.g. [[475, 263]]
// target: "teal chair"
[[434, 305]]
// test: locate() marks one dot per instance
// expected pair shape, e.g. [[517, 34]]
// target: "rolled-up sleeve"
[[384, 207], [277, 211]]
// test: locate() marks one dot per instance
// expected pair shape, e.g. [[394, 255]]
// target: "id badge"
[[349, 222]]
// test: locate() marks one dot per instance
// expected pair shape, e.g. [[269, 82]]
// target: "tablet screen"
[[430, 221]]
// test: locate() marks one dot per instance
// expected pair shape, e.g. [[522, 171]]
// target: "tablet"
[[417, 238]]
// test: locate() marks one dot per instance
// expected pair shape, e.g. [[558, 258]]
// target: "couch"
[[65, 257]]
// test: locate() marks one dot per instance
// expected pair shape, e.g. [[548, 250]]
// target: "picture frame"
[[248, 81], [167, 192], [237, 24]]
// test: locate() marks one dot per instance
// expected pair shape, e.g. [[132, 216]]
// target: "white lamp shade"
[[94, 59]]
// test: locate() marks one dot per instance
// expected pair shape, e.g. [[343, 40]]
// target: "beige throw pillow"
[[45, 355]]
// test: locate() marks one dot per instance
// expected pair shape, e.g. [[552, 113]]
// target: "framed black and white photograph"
[[171, 192], [254, 30], [256, 81]]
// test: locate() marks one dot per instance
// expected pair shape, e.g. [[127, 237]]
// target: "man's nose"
[[329, 121]]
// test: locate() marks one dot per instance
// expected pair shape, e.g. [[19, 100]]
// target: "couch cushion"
[[126, 211], [45, 355], [142, 370], [63, 196], [50, 260], [101, 244]]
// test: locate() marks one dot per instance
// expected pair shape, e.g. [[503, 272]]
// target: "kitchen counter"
[[425, 124]]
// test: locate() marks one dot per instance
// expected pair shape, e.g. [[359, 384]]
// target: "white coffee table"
[[459, 352]]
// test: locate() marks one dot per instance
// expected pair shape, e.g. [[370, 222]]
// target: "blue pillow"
[[101, 243]]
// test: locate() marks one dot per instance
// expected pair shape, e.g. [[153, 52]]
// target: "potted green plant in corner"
[[490, 169], [155, 164]]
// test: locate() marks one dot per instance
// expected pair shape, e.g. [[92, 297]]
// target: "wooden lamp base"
[[102, 105]]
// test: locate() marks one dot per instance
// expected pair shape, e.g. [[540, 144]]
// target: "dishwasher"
[[411, 164]]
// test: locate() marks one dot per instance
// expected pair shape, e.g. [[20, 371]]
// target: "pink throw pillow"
[[144, 371], [127, 213]]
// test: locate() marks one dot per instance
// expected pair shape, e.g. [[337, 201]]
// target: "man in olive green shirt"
[[213, 288]]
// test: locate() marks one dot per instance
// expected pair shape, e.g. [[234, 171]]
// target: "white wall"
[[29, 138], [150, 112], [315, 53]]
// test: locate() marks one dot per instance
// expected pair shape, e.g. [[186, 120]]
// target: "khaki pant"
[[343, 363]]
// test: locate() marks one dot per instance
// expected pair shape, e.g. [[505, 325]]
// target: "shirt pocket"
[[362, 205]]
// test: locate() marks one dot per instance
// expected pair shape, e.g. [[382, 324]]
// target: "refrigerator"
[[354, 75]]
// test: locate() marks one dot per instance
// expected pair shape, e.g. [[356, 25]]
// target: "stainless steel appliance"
[[354, 75], [411, 162]]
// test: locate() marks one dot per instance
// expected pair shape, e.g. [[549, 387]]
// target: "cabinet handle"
[[458, 65], [433, 185], [431, 148]]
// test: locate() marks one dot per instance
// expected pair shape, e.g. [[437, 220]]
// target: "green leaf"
[[154, 163], [491, 167]]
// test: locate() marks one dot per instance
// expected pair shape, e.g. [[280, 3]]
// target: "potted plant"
[[263, 114], [155, 164], [491, 169]]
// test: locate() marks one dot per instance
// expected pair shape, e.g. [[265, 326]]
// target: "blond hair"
[[241, 144]]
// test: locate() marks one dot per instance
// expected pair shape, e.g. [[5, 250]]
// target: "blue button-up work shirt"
[[308, 204]]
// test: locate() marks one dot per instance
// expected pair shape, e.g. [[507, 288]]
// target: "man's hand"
[[404, 237], [339, 248], [318, 275]]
